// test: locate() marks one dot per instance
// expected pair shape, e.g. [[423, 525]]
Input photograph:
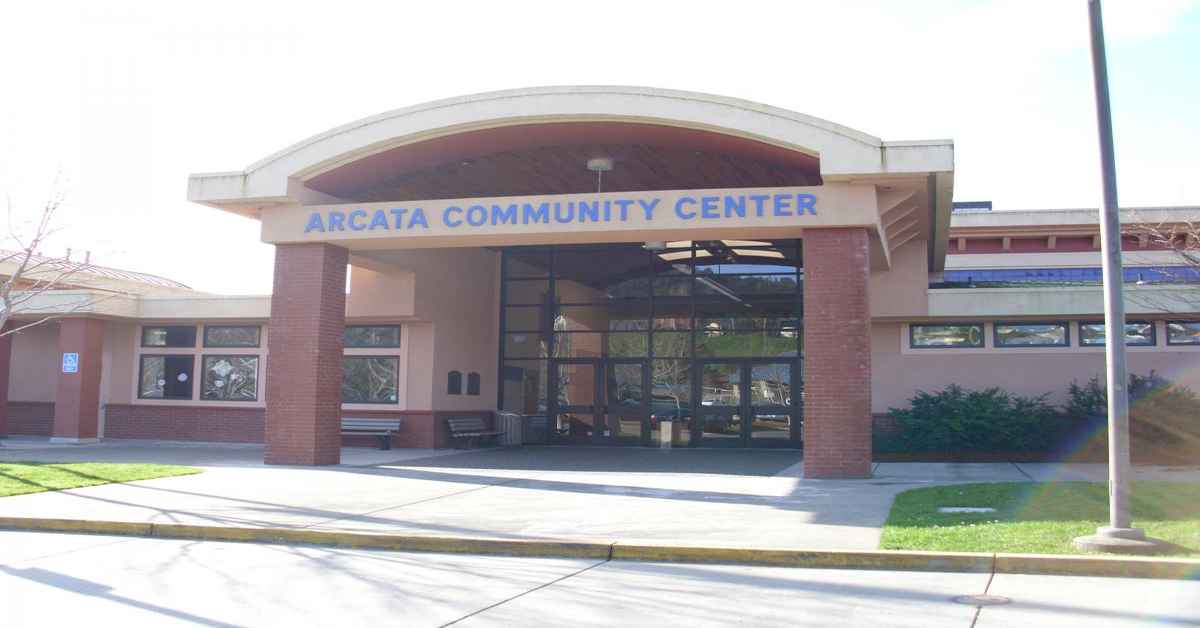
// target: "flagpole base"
[[1120, 541]]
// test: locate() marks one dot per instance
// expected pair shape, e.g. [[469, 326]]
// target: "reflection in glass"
[[719, 385], [627, 344], [527, 262], [625, 399], [230, 378], [525, 345], [523, 318], [1137, 334], [525, 383], [577, 385], [370, 379], [767, 343], [771, 384], [1031, 334], [947, 335], [578, 345], [1183, 333], [526, 291], [231, 335], [672, 344], [575, 427]]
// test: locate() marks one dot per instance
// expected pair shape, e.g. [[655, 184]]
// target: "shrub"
[[1160, 411], [955, 419]]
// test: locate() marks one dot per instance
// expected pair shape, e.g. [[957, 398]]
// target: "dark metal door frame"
[[745, 408], [599, 408]]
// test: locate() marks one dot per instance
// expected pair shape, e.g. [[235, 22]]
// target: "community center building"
[[607, 262]]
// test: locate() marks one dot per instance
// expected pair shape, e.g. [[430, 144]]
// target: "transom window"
[[371, 336], [1183, 332], [175, 336], [232, 335]]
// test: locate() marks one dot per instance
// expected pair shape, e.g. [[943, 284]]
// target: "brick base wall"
[[30, 418], [199, 423], [418, 428]]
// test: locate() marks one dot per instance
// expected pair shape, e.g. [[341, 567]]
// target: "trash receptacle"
[[511, 425]]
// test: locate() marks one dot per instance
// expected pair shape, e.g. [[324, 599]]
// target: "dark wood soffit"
[[551, 158]]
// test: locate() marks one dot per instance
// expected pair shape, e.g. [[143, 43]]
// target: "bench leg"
[[385, 442]]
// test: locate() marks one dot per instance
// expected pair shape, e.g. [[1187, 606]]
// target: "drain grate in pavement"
[[981, 600]]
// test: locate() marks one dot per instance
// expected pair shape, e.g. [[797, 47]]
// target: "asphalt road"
[[52, 579]]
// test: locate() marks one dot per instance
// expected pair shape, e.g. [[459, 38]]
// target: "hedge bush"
[[955, 419]]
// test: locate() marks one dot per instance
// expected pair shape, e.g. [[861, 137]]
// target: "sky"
[[115, 103]]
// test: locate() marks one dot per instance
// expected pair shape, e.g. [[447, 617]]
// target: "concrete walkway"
[[710, 497]]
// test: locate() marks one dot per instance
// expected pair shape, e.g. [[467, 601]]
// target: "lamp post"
[[1119, 535]]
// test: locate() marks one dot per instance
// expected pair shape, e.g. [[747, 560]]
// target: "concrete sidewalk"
[[712, 497]]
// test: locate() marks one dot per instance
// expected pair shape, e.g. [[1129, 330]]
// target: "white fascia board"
[[1071, 217], [1058, 301]]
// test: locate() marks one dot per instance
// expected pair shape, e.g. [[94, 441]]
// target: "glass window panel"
[[731, 286], [665, 321], [232, 335], [526, 291], [627, 344], [363, 336], [577, 384], [525, 346], [741, 322], [370, 379], [527, 262], [924, 336], [169, 336], [671, 386], [1031, 334], [578, 345], [1183, 333], [672, 344], [623, 317], [672, 286], [719, 384], [596, 274], [1137, 334], [523, 318], [766, 343], [525, 386], [230, 378], [165, 377], [771, 384]]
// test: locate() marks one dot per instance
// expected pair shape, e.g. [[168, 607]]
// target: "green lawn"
[[1035, 517], [19, 478]]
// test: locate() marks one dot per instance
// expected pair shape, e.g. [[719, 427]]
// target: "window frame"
[[207, 345], [912, 327], [474, 384], [371, 356], [142, 371], [397, 327], [1065, 325], [1153, 333], [144, 328], [1167, 330], [204, 373]]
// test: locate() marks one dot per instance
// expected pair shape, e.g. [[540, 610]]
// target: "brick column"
[[837, 354], [304, 367], [77, 395], [5, 359]]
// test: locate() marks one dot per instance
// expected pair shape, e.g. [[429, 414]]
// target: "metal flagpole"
[[1119, 535]]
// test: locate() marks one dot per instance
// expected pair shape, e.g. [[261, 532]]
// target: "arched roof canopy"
[[500, 143]]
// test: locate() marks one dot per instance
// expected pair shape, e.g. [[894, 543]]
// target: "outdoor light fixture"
[[600, 165]]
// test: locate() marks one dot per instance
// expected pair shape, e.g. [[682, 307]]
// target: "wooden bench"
[[470, 428], [383, 428]]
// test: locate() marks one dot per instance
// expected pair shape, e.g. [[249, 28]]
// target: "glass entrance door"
[[579, 411], [747, 403], [603, 402], [772, 418], [627, 410]]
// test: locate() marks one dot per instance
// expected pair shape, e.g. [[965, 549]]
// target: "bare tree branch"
[[26, 274]]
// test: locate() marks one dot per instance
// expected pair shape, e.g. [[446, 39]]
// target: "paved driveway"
[[711, 497]]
